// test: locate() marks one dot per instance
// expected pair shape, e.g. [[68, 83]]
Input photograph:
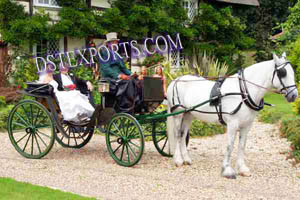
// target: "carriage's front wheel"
[[31, 129], [125, 140]]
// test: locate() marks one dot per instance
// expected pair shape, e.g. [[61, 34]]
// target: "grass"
[[11, 189], [282, 109]]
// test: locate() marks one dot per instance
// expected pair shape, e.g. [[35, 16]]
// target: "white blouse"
[[66, 80]]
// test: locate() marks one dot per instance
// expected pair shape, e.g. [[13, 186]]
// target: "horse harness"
[[281, 73], [216, 95]]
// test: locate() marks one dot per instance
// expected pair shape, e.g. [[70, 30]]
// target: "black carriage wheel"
[[160, 137], [78, 135], [31, 129]]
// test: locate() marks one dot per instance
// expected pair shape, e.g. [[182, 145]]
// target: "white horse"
[[188, 91]]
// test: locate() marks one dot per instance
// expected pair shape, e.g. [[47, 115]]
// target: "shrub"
[[270, 116], [4, 113], [296, 104], [200, 128], [294, 57], [290, 128], [25, 71]]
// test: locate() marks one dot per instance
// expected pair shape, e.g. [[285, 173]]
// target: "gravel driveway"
[[90, 171]]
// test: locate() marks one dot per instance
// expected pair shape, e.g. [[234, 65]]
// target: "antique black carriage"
[[34, 125]]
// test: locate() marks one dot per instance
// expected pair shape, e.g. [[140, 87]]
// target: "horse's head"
[[284, 78]]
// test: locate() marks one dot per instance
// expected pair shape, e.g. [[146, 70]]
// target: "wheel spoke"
[[127, 127], [132, 131], [69, 137], [117, 148], [114, 134], [31, 113], [25, 113], [22, 138], [37, 143], [26, 142], [75, 139], [41, 139], [131, 151], [44, 134], [36, 118], [32, 144], [134, 144], [122, 152], [117, 128], [128, 157], [21, 118], [23, 125], [161, 139], [164, 145]]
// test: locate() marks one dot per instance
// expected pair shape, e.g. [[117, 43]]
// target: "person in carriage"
[[127, 95], [70, 93]]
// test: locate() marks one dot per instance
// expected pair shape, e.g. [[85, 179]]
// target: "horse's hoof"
[[229, 173], [231, 177], [245, 174], [178, 164], [187, 162]]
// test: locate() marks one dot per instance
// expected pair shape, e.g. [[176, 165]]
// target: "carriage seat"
[[151, 88], [39, 89]]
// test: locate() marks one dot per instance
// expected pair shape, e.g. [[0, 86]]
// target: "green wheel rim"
[[78, 136], [125, 140], [31, 129], [160, 137]]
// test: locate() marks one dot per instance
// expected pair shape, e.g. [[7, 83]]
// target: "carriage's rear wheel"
[[31, 129], [78, 135], [125, 140], [160, 137]]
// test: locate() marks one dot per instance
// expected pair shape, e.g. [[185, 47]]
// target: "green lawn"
[[282, 109], [11, 189], [281, 104]]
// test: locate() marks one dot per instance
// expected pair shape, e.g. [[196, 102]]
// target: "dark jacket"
[[80, 84]]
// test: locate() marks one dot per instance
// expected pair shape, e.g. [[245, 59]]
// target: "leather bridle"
[[281, 72]]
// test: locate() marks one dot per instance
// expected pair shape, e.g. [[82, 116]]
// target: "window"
[[47, 48], [191, 7], [47, 3], [176, 58]]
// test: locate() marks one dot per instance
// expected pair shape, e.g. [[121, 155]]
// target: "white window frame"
[[49, 5], [60, 48], [187, 6]]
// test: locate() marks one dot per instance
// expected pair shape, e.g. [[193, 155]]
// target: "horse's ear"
[[284, 55], [275, 58]]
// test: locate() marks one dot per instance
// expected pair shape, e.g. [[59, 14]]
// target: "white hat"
[[111, 37]]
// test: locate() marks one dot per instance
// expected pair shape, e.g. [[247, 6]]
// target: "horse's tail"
[[170, 131]]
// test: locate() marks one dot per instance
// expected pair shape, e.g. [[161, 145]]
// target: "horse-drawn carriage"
[[34, 125]]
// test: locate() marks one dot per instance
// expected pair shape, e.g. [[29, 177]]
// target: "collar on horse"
[[245, 94]]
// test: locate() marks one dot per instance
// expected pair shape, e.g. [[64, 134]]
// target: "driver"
[[115, 70]]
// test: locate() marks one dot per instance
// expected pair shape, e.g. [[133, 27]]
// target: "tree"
[[263, 22], [139, 18], [219, 33]]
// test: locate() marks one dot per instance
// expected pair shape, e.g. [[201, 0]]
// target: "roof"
[[245, 2]]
